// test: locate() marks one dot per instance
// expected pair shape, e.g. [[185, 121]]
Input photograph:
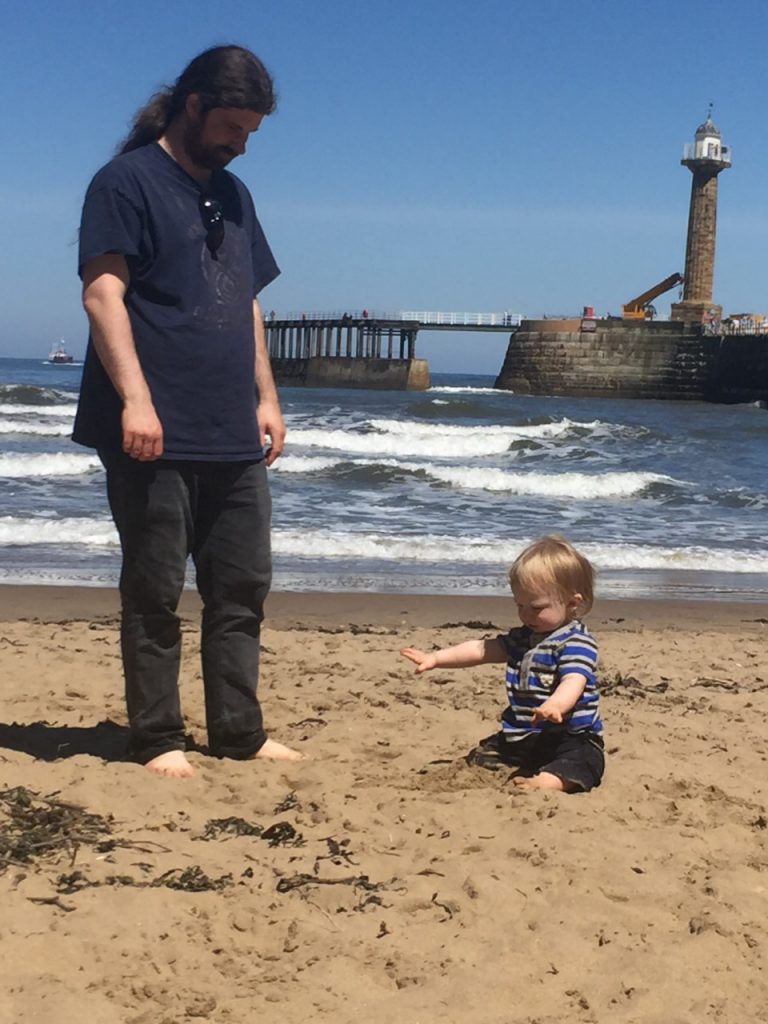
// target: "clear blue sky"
[[478, 155]]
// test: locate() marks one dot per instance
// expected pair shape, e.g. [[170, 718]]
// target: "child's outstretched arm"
[[471, 652], [563, 700]]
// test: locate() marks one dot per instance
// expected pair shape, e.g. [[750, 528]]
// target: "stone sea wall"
[[615, 358], [340, 372]]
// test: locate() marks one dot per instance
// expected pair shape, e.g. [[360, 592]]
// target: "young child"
[[551, 729]]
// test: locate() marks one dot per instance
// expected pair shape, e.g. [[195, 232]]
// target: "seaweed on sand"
[[33, 827], [281, 833]]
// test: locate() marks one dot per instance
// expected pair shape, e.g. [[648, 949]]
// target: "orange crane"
[[640, 308]]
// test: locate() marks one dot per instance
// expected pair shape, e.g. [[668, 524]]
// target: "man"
[[178, 398]]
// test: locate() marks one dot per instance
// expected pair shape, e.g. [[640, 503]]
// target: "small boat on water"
[[59, 354]]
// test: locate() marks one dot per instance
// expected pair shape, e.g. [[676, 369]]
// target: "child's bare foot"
[[544, 780], [274, 751], [173, 763]]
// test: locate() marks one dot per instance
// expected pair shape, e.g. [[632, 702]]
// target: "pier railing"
[[717, 154], [368, 333], [335, 314], [422, 317], [464, 319], [737, 325]]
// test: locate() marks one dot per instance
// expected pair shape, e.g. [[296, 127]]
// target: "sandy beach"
[[384, 879]]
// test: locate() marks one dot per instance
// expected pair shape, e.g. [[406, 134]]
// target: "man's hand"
[[142, 431], [424, 662], [271, 422]]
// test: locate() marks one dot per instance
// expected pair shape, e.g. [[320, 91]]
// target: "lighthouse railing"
[[707, 151]]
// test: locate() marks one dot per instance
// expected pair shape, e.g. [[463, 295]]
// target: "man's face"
[[217, 136]]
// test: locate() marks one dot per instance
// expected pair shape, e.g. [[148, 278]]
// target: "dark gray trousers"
[[219, 513]]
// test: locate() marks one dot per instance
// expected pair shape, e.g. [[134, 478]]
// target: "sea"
[[431, 492]]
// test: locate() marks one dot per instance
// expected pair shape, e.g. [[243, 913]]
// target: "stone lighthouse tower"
[[705, 158]]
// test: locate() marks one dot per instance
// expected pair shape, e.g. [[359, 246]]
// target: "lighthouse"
[[705, 158]]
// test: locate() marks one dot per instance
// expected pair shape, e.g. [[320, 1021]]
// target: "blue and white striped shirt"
[[536, 663]]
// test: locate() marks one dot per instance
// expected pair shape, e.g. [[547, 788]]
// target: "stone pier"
[[630, 359], [347, 352]]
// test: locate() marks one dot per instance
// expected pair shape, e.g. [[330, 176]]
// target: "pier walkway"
[[369, 334]]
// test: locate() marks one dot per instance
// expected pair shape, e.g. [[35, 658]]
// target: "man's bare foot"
[[173, 764], [274, 751]]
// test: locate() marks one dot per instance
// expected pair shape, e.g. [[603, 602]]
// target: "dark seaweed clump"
[[34, 827], [281, 833]]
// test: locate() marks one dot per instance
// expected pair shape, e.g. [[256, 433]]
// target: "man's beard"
[[212, 158]]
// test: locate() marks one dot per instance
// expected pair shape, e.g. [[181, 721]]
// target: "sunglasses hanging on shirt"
[[213, 221]]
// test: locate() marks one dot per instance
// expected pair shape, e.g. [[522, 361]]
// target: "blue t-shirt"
[[536, 664], [191, 314]]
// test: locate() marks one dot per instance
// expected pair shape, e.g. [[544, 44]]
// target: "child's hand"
[[549, 712], [423, 661]]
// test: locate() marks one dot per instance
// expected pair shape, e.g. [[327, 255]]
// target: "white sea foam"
[[10, 426], [71, 576], [91, 532], [339, 544], [417, 428], [424, 446], [443, 549], [38, 410], [691, 557], [16, 464], [579, 486], [307, 464], [430, 440], [448, 390]]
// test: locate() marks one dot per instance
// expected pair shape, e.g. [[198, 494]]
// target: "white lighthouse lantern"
[[707, 146]]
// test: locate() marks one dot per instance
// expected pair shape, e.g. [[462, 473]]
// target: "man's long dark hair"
[[224, 76]]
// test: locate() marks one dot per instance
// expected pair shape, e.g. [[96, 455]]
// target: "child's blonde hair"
[[552, 562]]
